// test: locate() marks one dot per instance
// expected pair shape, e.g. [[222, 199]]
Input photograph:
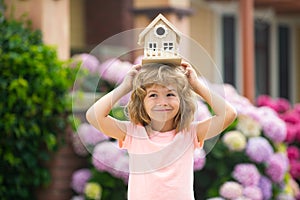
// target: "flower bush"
[[291, 116], [35, 107], [249, 161]]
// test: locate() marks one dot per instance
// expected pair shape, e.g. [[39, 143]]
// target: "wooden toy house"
[[161, 41]]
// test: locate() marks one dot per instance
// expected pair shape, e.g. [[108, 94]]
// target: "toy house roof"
[[153, 23]]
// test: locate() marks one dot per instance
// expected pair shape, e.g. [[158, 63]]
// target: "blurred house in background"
[[217, 25]]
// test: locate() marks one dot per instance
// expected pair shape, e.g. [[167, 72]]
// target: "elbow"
[[231, 113], [88, 115]]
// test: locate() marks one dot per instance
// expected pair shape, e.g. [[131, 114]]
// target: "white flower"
[[248, 126], [231, 190], [235, 140]]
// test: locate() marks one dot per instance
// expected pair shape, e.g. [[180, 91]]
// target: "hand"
[[127, 82], [190, 73]]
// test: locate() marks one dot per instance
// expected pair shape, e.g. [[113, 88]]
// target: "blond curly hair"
[[161, 74]]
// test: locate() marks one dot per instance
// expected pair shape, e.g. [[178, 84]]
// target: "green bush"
[[34, 108]]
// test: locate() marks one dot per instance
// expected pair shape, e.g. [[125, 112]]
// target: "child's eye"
[[171, 95], [152, 95]]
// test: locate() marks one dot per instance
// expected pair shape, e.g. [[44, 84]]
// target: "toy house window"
[[152, 46], [168, 46], [160, 31]]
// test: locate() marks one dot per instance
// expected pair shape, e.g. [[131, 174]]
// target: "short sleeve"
[[124, 144]]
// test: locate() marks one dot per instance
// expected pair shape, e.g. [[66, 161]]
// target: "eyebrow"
[[169, 90]]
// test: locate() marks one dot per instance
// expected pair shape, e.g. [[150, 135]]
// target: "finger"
[[137, 67], [185, 64]]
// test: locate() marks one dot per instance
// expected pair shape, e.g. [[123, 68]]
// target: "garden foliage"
[[34, 107]]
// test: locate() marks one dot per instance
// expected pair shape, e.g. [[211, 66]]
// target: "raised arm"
[[98, 114], [224, 113]]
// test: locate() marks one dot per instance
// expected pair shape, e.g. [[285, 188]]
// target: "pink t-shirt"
[[161, 166]]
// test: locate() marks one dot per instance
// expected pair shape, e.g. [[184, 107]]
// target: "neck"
[[161, 126]]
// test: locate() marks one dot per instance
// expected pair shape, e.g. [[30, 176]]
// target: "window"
[[160, 31], [229, 52], [284, 61], [152, 46], [262, 58], [168, 46]]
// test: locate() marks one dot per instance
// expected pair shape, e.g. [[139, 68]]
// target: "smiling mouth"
[[162, 110]]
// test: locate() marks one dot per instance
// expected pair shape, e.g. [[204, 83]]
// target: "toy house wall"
[[151, 37]]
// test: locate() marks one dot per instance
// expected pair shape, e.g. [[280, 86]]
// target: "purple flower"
[[274, 128], [81, 197], [88, 61], [253, 193], [246, 174], [106, 156], [259, 149], [89, 135], [121, 168], [265, 185], [78, 147], [114, 70], [79, 179], [277, 167], [231, 190], [199, 159], [285, 196]]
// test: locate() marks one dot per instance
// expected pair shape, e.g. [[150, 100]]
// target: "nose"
[[162, 101]]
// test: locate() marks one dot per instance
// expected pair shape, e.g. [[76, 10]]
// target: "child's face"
[[161, 103]]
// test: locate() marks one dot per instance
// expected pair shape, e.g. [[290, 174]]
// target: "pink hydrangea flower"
[[246, 174], [199, 159], [295, 169], [89, 135], [291, 117], [79, 179], [107, 156], [78, 146], [114, 70], [265, 100], [121, 168], [297, 108], [88, 61], [293, 153], [259, 149], [277, 166], [253, 193], [274, 128], [291, 133], [265, 184]]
